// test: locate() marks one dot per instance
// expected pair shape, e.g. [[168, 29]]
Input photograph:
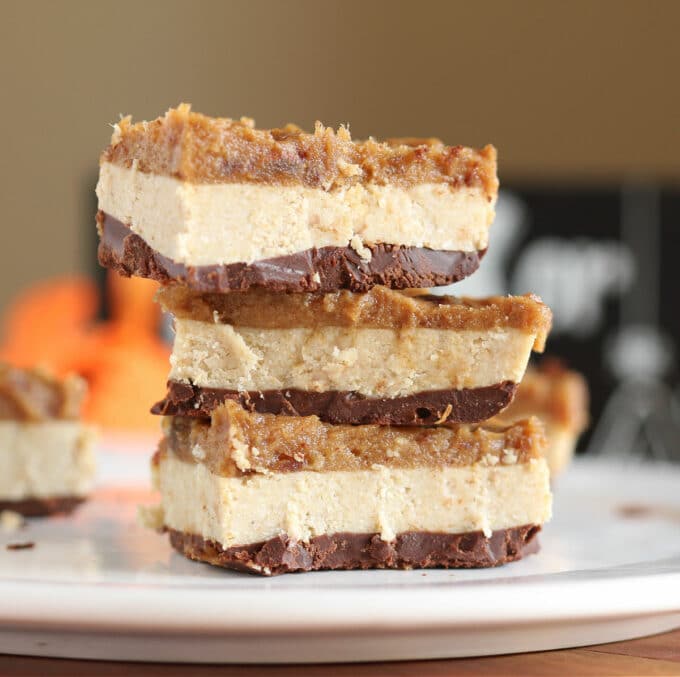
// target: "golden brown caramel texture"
[[236, 442], [200, 149], [35, 395], [378, 308]]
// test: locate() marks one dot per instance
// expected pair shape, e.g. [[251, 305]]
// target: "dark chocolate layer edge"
[[324, 270], [41, 507], [467, 405], [409, 550]]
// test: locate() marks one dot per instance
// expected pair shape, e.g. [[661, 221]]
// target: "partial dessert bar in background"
[[46, 453], [559, 397], [219, 205], [274, 494], [384, 356]]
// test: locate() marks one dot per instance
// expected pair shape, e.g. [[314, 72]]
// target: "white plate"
[[98, 586]]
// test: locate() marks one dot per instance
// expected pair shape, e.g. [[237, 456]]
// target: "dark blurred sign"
[[607, 263]]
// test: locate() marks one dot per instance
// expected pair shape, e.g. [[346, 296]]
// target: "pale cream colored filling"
[[374, 362], [204, 224], [45, 460], [239, 511]]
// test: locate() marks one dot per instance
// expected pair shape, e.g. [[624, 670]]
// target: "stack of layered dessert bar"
[[323, 411]]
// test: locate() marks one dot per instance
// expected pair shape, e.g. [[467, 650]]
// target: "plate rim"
[[570, 601], [585, 594]]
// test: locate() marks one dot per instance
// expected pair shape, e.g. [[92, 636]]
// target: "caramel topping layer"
[[377, 308], [200, 149], [35, 395], [235, 442]]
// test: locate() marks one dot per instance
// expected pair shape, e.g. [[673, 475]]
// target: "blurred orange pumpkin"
[[124, 359]]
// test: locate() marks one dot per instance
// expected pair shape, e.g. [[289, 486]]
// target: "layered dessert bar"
[[46, 452], [273, 494], [559, 397], [219, 205], [322, 410], [384, 356]]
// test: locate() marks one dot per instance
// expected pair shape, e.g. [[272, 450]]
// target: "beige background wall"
[[566, 90]]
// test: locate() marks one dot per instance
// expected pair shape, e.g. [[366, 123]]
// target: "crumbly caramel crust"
[[556, 394], [235, 442], [35, 395], [200, 149], [380, 307]]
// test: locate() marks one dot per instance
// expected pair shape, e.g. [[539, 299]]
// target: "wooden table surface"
[[657, 655]]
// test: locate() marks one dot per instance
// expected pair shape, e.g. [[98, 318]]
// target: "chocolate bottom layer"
[[40, 507], [467, 405], [410, 550], [325, 269]]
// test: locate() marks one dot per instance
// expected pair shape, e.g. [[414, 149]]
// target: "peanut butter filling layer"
[[373, 363], [200, 149], [208, 224], [386, 501], [236, 442], [378, 308]]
